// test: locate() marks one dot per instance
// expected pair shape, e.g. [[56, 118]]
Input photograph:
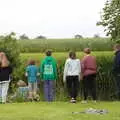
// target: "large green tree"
[[110, 19]]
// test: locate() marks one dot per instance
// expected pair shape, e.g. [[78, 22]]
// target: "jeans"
[[3, 91], [49, 92]]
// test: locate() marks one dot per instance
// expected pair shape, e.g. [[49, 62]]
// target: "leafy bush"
[[9, 45]]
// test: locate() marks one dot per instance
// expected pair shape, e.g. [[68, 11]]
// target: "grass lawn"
[[57, 111]]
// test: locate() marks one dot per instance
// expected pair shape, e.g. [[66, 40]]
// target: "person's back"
[[116, 69], [89, 65], [73, 67], [72, 73], [116, 63], [89, 69], [48, 68], [31, 73]]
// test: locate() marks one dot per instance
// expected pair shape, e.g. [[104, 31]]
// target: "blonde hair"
[[3, 59]]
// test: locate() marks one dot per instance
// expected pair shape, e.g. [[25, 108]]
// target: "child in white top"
[[72, 71]]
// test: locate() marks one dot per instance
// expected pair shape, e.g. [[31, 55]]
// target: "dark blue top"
[[116, 65]]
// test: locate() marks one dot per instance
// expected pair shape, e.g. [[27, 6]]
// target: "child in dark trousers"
[[72, 71]]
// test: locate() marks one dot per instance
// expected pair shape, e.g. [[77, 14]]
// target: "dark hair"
[[31, 62], [48, 53], [87, 50], [72, 55]]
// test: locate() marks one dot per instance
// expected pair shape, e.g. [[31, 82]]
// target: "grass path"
[[57, 111]]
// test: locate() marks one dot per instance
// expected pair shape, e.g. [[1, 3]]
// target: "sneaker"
[[37, 98], [84, 102], [73, 100]]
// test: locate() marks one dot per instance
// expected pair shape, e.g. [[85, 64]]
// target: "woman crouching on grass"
[[5, 71], [72, 74]]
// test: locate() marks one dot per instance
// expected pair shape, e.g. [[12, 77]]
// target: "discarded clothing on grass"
[[93, 111]]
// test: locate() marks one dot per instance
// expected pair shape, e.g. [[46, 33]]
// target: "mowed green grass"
[[63, 55], [57, 111]]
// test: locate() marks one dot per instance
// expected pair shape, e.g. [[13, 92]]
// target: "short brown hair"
[[31, 62], [87, 50], [72, 54], [48, 52]]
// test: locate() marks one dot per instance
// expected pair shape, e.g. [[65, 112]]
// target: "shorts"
[[32, 87]]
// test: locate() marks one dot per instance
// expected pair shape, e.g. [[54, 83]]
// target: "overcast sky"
[[51, 18]]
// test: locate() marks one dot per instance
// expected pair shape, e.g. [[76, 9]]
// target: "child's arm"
[[26, 72], [41, 69], [38, 71]]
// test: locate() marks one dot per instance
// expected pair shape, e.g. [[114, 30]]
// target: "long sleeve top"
[[72, 68], [89, 65], [48, 68], [116, 63]]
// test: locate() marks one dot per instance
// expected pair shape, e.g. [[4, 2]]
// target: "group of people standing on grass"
[[74, 71]]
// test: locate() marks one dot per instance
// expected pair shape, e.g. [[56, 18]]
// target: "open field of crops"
[[62, 45]]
